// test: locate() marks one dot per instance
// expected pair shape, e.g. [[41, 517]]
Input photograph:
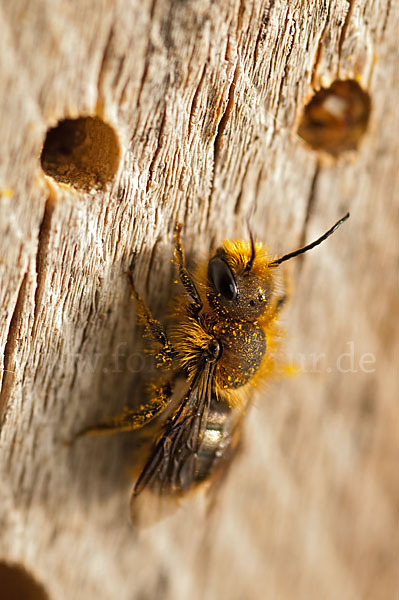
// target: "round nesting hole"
[[83, 153], [336, 118], [17, 584]]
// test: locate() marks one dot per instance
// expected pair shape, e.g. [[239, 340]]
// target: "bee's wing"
[[170, 468]]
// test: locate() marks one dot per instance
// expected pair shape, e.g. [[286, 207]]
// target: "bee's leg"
[[131, 419], [153, 326], [184, 275]]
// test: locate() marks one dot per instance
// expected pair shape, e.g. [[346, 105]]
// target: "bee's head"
[[240, 285], [240, 276]]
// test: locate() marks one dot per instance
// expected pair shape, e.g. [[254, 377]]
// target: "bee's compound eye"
[[222, 278]]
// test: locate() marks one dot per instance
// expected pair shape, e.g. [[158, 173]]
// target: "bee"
[[218, 347]]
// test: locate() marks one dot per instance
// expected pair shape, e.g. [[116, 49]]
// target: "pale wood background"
[[204, 97]]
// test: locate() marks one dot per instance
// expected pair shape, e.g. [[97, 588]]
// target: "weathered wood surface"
[[204, 97]]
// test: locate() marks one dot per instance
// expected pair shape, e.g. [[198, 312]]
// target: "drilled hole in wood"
[[17, 584], [83, 153], [336, 118]]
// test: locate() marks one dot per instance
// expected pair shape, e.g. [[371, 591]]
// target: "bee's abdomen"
[[216, 441]]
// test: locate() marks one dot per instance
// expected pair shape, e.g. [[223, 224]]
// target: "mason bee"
[[219, 346]]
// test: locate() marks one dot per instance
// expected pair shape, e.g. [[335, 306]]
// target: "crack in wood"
[[240, 15], [10, 348], [319, 49], [217, 144], [53, 396], [237, 205], [12, 445], [157, 149], [343, 32], [309, 211], [79, 351], [264, 22], [147, 55], [225, 118], [144, 76], [192, 120], [41, 258], [284, 77], [106, 54], [150, 264], [384, 26], [257, 188]]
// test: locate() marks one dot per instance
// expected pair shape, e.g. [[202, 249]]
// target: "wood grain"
[[205, 98]]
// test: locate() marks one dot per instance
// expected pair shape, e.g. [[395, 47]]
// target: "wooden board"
[[204, 98]]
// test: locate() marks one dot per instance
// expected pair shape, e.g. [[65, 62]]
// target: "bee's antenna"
[[249, 264], [278, 261]]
